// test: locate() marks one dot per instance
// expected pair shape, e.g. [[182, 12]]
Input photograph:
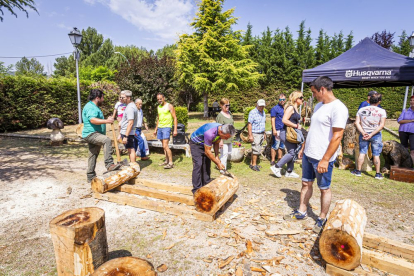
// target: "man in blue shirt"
[[366, 103], [276, 114], [256, 127], [94, 132]]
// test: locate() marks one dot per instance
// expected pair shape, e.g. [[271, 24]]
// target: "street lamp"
[[411, 38], [76, 37]]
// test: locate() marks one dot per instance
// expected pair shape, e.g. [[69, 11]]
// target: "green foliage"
[[21, 5], [4, 70], [182, 115], [64, 67], [403, 46], [91, 41], [96, 74], [200, 107], [27, 102], [29, 67], [167, 51]]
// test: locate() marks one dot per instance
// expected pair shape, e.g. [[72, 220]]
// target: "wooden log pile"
[[104, 184]]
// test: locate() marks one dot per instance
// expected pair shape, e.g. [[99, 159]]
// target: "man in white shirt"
[[320, 150], [128, 123], [370, 120]]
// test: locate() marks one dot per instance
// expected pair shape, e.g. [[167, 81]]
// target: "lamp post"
[[76, 37], [411, 38]]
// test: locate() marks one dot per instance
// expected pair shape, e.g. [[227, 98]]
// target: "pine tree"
[[248, 37], [349, 41], [403, 47], [322, 49]]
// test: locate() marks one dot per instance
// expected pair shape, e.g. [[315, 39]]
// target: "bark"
[[205, 101], [341, 240], [131, 266], [104, 184], [79, 239]]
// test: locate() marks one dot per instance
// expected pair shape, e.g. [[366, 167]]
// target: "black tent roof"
[[365, 65]]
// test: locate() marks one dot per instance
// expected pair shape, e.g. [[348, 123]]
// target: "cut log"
[[102, 185], [210, 198], [341, 240], [130, 266], [79, 239]]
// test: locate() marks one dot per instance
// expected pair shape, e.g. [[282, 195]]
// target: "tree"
[[31, 67], [21, 5], [349, 41], [322, 50], [4, 70], [91, 42], [64, 67], [403, 47], [101, 56], [384, 39], [212, 58], [248, 37], [167, 51]]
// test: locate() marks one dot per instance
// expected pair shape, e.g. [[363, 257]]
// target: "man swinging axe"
[[201, 142]]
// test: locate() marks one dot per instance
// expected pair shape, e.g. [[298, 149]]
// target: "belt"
[[258, 132], [138, 127]]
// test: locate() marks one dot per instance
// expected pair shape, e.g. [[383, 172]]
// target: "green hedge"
[[182, 115], [28, 103], [247, 111]]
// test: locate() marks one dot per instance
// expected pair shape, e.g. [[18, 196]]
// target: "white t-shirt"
[[324, 118], [120, 108], [371, 116]]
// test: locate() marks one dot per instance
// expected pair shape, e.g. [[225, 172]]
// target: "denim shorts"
[[130, 141], [376, 144], [164, 133], [277, 143], [309, 172]]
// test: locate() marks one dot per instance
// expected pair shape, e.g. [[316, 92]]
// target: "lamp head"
[[411, 38], [75, 37]]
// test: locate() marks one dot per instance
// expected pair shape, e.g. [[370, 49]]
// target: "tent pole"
[[412, 90], [405, 98], [300, 108]]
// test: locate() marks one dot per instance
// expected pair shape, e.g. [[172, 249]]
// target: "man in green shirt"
[[94, 132]]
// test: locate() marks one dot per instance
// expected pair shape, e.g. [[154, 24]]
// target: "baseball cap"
[[261, 102], [372, 93]]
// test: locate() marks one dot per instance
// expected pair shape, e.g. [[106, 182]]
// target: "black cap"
[[372, 93]]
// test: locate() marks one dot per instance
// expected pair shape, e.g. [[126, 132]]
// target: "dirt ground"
[[39, 182]]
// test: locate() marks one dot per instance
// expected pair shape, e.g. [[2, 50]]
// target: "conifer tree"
[[349, 41], [403, 46]]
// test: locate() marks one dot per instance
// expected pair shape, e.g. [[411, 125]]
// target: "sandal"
[[255, 168], [169, 166], [163, 164]]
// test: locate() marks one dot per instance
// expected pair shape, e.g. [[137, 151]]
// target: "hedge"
[[28, 103], [182, 115]]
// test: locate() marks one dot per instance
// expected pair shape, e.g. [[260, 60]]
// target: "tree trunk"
[[79, 239], [210, 198], [104, 184], [341, 240], [205, 101], [126, 266]]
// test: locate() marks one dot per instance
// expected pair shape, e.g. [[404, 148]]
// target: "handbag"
[[291, 135]]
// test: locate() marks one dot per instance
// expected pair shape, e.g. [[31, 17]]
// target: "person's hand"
[[366, 136], [299, 126], [146, 128], [275, 133], [175, 133], [221, 144], [221, 167], [322, 166], [124, 140], [155, 132], [264, 136], [300, 154], [110, 120], [251, 138]]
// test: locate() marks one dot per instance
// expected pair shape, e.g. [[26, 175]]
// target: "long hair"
[[292, 98]]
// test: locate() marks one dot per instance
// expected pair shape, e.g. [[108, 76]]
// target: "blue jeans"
[[309, 172], [139, 142], [376, 144], [277, 143], [164, 133]]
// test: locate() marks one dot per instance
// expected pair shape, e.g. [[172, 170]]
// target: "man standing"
[[94, 132], [139, 142], [366, 103], [256, 127], [166, 116], [128, 123], [325, 133], [276, 114], [201, 142], [370, 120]]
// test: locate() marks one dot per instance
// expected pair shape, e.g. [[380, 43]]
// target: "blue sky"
[[154, 23]]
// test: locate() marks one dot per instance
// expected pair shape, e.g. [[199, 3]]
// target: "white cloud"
[[63, 26], [164, 18]]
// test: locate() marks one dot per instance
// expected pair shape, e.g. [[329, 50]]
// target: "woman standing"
[[225, 117], [291, 118], [406, 130]]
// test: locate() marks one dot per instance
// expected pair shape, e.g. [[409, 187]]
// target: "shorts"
[[376, 144], [164, 133], [276, 142], [257, 143], [405, 137], [130, 141], [309, 172]]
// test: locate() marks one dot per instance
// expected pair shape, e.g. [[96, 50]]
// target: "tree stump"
[[79, 239], [130, 266], [104, 184], [210, 198], [341, 240], [367, 164]]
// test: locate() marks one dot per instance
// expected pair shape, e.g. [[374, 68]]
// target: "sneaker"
[[276, 171], [295, 215], [113, 167], [356, 172], [255, 168], [292, 174], [319, 225], [379, 176]]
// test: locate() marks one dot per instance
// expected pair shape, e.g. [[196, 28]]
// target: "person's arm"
[[272, 120], [97, 121], [332, 148], [300, 153], [401, 119], [359, 126], [156, 126], [143, 123], [285, 120], [172, 111], [215, 159], [128, 130], [115, 110], [378, 129]]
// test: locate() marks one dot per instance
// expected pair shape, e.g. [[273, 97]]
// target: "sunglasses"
[[281, 100], [301, 98], [227, 105]]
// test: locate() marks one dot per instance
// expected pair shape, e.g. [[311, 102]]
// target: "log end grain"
[[205, 200], [130, 266], [98, 185]]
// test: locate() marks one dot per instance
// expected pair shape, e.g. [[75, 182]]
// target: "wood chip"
[[149, 256], [257, 269], [212, 235], [283, 232], [164, 234], [239, 271], [225, 262], [162, 268], [249, 247], [169, 247], [208, 260]]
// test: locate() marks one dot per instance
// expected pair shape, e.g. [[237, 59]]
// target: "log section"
[[79, 239], [210, 198], [130, 266], [102, 185], [341, 240]]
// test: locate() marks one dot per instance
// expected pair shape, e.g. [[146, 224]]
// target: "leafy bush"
[[27, 103], [200, 107], [247, 111], [96, 74], [182, 115], [396, 114]]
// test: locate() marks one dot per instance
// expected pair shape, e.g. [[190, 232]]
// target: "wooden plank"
[[397, 248], [336, 271], [162, 185], [387, 263], [155, 193], [159, 206]]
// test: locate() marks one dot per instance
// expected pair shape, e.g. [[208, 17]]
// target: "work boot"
[[113, 167]]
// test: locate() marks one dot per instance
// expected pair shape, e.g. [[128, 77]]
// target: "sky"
[[155, 23]]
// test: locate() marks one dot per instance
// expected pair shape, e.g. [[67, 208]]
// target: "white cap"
[[261, 102]]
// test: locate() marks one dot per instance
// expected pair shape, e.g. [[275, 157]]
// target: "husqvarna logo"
[[348, 73], [357, 73]]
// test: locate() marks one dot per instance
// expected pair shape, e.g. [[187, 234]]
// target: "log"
[[104, 184], [341, 240], [79, 240], [131, 266], [210, 198]]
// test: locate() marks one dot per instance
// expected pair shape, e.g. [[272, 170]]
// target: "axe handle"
[[118, 156]]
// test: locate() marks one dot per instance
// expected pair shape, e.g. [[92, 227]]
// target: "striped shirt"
[[206, 134], [258, 121]]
